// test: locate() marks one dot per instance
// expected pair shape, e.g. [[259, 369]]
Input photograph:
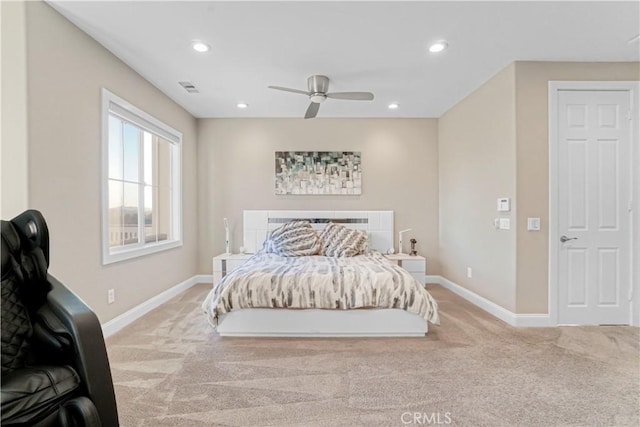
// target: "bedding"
[[267, 280]]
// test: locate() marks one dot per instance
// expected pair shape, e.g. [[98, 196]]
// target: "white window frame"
[[120, 107]]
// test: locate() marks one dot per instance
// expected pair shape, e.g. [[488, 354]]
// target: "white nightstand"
[[414, 264], [222, 264]]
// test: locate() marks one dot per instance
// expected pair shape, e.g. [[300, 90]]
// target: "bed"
[[363, 295]]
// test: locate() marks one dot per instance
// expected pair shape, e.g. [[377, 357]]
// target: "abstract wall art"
[[319, 172]]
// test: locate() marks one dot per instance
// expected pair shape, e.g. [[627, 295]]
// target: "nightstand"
[[222, 264], [414, 264]]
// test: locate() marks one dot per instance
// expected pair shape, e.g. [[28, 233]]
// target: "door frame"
[[633, 87]]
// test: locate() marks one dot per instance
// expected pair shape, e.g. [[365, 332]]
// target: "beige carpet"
[[171, 369]]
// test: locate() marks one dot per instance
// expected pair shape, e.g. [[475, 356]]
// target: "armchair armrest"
[[90, 353]]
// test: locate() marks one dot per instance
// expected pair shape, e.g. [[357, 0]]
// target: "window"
[[141, 182]]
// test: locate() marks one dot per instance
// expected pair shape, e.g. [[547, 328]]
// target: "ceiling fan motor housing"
[[318, 87], [318, 84]]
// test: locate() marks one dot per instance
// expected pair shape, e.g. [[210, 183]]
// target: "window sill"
[[110, 257]]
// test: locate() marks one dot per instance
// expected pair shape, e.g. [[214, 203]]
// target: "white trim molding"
[[117, 108], [633, 87], [117, 323], [519, 320], [513, 319], [433, 279], [531, 320]]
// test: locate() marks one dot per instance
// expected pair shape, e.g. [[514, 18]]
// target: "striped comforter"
[[267, 280]]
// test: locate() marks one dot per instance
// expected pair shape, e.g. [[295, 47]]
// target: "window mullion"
[[122, 224], [155, 186], [172, 213], [141, 216]]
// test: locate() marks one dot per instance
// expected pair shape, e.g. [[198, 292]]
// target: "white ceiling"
[[362, 46]]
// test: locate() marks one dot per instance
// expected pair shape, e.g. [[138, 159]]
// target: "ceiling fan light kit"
[[317, 91], [317, 97]]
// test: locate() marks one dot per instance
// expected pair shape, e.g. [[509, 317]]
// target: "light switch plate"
[[533, 224], [505, 223], [504, 204]]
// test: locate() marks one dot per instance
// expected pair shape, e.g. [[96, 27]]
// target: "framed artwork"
[[319, 172]]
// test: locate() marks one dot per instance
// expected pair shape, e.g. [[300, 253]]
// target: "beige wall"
[[66, 71], [13, 93], [236, 172], [477, 166], [532, 132], [494, 143]]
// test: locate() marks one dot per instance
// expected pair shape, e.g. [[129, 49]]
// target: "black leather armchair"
[[55, 370]]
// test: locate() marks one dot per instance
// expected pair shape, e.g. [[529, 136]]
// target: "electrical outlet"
[[469, 272], [111, 296]]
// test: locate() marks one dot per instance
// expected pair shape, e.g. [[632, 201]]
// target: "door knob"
[[566, 239]]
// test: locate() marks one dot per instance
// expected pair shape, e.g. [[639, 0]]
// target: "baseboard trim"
[[433, 279], [114, 325], [533, 320], [524, 320], [204, 278], [507, 316]]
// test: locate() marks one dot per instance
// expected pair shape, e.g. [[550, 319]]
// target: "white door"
[[594, 194]]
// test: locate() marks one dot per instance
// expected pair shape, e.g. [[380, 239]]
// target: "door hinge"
[[630, 206], [629, 115]]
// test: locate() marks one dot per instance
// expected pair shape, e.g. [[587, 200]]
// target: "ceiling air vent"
[[189, 87]]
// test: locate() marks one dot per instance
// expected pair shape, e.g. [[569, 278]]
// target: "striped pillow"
[[296, 238], [340, 241]]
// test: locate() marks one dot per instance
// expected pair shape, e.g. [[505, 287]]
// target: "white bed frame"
[[321, 323]]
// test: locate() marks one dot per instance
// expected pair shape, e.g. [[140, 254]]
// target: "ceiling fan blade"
[[354, 96], [286, 89], [312, 111]]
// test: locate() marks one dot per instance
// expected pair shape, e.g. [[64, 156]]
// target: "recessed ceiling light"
[[393, 106], [199, 46], [242, 105], [438, 46]]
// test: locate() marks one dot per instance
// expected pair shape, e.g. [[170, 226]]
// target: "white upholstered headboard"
[[378, 225]]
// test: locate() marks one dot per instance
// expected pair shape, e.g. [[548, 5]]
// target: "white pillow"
[[340, 241], [296, 238]]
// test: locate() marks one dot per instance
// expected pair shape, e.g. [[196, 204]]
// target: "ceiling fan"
[[317, 93]]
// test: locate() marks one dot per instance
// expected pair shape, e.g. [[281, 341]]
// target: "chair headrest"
[[25, 254], [33, 231]]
